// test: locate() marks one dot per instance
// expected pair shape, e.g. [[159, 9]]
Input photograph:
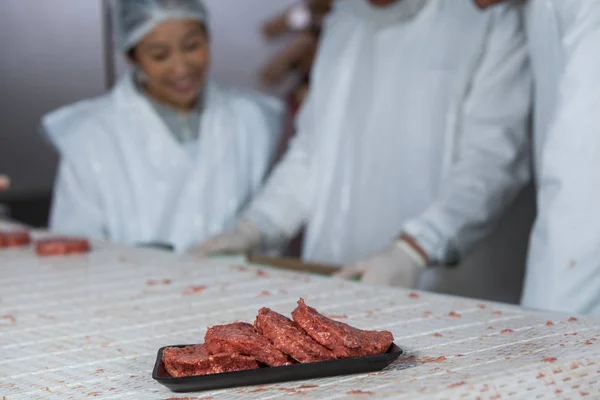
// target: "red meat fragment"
[[344, 340], [195, 360], [290, 338], [360, 392], [428, 360], [194, 290], [14, 239], [61, 246], [242, 338]]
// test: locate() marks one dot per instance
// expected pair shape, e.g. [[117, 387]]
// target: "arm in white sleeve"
[[281, 207], [491, 163], [567, 233], [75, 207]]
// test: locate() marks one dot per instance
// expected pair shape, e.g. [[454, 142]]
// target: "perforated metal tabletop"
[[89, 326]]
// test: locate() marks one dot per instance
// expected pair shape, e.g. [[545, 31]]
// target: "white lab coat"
[[124, 177], [416, 117], [563, 272]]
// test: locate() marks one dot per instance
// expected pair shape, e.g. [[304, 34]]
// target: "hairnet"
[[134, 19]]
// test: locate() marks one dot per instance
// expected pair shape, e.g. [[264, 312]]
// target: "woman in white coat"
[[168, 156], [563, 269], [414, 133]]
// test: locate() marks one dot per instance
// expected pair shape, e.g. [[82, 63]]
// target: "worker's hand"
[[244, 238], [393, 266], [4, 182]]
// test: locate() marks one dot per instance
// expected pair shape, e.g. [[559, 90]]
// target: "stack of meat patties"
[[274, 341]]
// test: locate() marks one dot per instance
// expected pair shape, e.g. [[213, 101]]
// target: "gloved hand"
[[4, 182], [244, 238], [394, 266]]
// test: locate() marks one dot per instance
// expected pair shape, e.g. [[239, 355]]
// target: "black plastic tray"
[[266, 375], [158, 245]]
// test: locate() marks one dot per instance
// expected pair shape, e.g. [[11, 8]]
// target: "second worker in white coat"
[[414, 136], [563, 268]]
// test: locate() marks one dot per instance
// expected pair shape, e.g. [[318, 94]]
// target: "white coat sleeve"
[[280, 209], [566, 242], [491, 163], [75, 207]]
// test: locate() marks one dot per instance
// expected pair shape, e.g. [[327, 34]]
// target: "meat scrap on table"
[[59, 246], [10, 239]]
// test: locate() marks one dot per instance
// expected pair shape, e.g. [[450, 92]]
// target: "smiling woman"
[[168, 156], [174, 59]]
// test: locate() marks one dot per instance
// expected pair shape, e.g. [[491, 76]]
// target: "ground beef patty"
[[61, 246], [195, 360], [242, 338], [344, 340], [14, 239], [290, 338]]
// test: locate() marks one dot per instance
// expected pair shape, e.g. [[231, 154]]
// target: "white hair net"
[[134, 19]]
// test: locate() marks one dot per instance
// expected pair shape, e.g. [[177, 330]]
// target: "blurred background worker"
[[416, 123], [4, 182], [168, 156], [563, 270], [4, 185]]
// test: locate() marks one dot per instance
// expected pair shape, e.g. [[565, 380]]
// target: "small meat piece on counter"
[[61, 246], [14, 239], [290, 338], [242, 338], [344, 340], [195, 360]]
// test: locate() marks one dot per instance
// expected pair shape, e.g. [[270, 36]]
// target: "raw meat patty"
[[290, 338], [14, 239], [195, 360], [344, 340], [61, 246], [242, 338]]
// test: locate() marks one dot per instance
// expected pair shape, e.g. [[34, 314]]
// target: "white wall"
[[239, 50], [51, 54]]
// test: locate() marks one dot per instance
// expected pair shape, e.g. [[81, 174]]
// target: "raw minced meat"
[[290, 338], [14, 239], [61, 246], [195, 360], [242, 338], [342, 339]]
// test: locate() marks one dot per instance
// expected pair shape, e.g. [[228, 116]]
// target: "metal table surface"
[[89, 326]]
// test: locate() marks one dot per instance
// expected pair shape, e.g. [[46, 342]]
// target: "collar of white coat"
[[150, 130], [400, 10]]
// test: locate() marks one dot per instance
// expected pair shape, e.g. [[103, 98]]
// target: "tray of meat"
[[61, 246], [9, 239], [275, 349]]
